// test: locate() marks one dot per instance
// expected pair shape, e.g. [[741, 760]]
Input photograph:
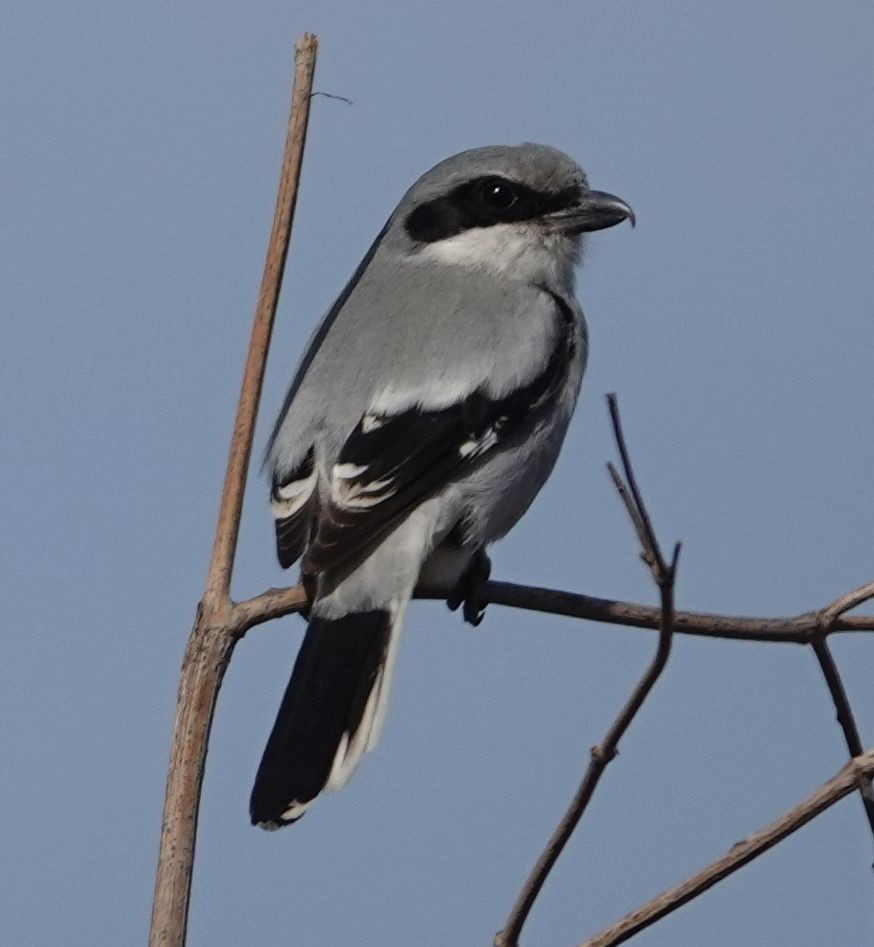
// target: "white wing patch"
[[429, 395], [371, 422], [291, 497], [348, 492], [475, 446]]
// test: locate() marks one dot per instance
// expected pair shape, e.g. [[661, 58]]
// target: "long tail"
[[331, 714]]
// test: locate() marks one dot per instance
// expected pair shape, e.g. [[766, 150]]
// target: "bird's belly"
[[500, 492]]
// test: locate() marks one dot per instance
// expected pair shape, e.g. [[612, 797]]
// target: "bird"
[[427, 412]]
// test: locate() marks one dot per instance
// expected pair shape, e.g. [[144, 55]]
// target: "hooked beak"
[[596, 210]]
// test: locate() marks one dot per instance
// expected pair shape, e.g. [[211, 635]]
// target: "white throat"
[[515, 251]]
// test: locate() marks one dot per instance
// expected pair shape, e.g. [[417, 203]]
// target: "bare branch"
[[797, 629], [664, 575], [840, 785], [212, 638], [274, 603], [845, 718], [634, 504], [227, 529], [830, 615]]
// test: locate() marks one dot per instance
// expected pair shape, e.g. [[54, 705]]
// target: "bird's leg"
[[468, 591], [310, 584]]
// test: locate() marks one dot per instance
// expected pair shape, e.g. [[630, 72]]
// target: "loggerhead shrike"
[[426, 414]]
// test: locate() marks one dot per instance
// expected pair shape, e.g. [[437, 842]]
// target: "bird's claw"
[[468, 592]]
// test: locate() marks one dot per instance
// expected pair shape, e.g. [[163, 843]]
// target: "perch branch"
[[212, 638], [664, 575], [842, 784], [798, 629]]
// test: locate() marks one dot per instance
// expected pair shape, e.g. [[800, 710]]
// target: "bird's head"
[[519, 210]]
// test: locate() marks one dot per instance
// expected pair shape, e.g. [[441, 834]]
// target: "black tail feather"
[[333, 677]]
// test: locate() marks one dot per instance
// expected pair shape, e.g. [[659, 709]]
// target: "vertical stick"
[[213, 636], [228, 527]]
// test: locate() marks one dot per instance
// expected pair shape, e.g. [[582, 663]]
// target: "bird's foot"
[[469, 590]]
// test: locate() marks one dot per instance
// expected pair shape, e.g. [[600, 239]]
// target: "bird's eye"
[[498, 194]]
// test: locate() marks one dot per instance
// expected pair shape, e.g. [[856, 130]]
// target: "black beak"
[[596, 210]]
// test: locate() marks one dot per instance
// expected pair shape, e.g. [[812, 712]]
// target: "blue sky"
[[138, 161]]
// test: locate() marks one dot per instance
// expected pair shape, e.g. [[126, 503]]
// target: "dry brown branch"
[[830, 616], [797, 629], [842, 784], [843, 710], [845, 718], [212, 638], [664, 575]]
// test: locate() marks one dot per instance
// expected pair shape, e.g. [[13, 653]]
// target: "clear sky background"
[[139, 157]]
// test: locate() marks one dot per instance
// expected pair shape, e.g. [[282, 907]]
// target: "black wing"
[[392, 462]]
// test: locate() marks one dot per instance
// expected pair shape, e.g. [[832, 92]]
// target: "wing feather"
[[392, 462], [294, 501]]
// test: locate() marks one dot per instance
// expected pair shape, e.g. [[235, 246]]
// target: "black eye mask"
[[484, 202]]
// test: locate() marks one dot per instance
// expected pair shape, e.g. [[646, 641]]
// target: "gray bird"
[[426, 414]]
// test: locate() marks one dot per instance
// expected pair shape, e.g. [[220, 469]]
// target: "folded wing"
[[393, 461]]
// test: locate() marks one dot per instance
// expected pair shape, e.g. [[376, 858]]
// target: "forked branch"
[[664, 575], [846, 719], [212, 638]]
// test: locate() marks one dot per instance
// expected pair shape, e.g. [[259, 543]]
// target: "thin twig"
[[840, 785], [845, 718], [635, 505], [212, 638], [664, 575], [331, 95], [831, 615]]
